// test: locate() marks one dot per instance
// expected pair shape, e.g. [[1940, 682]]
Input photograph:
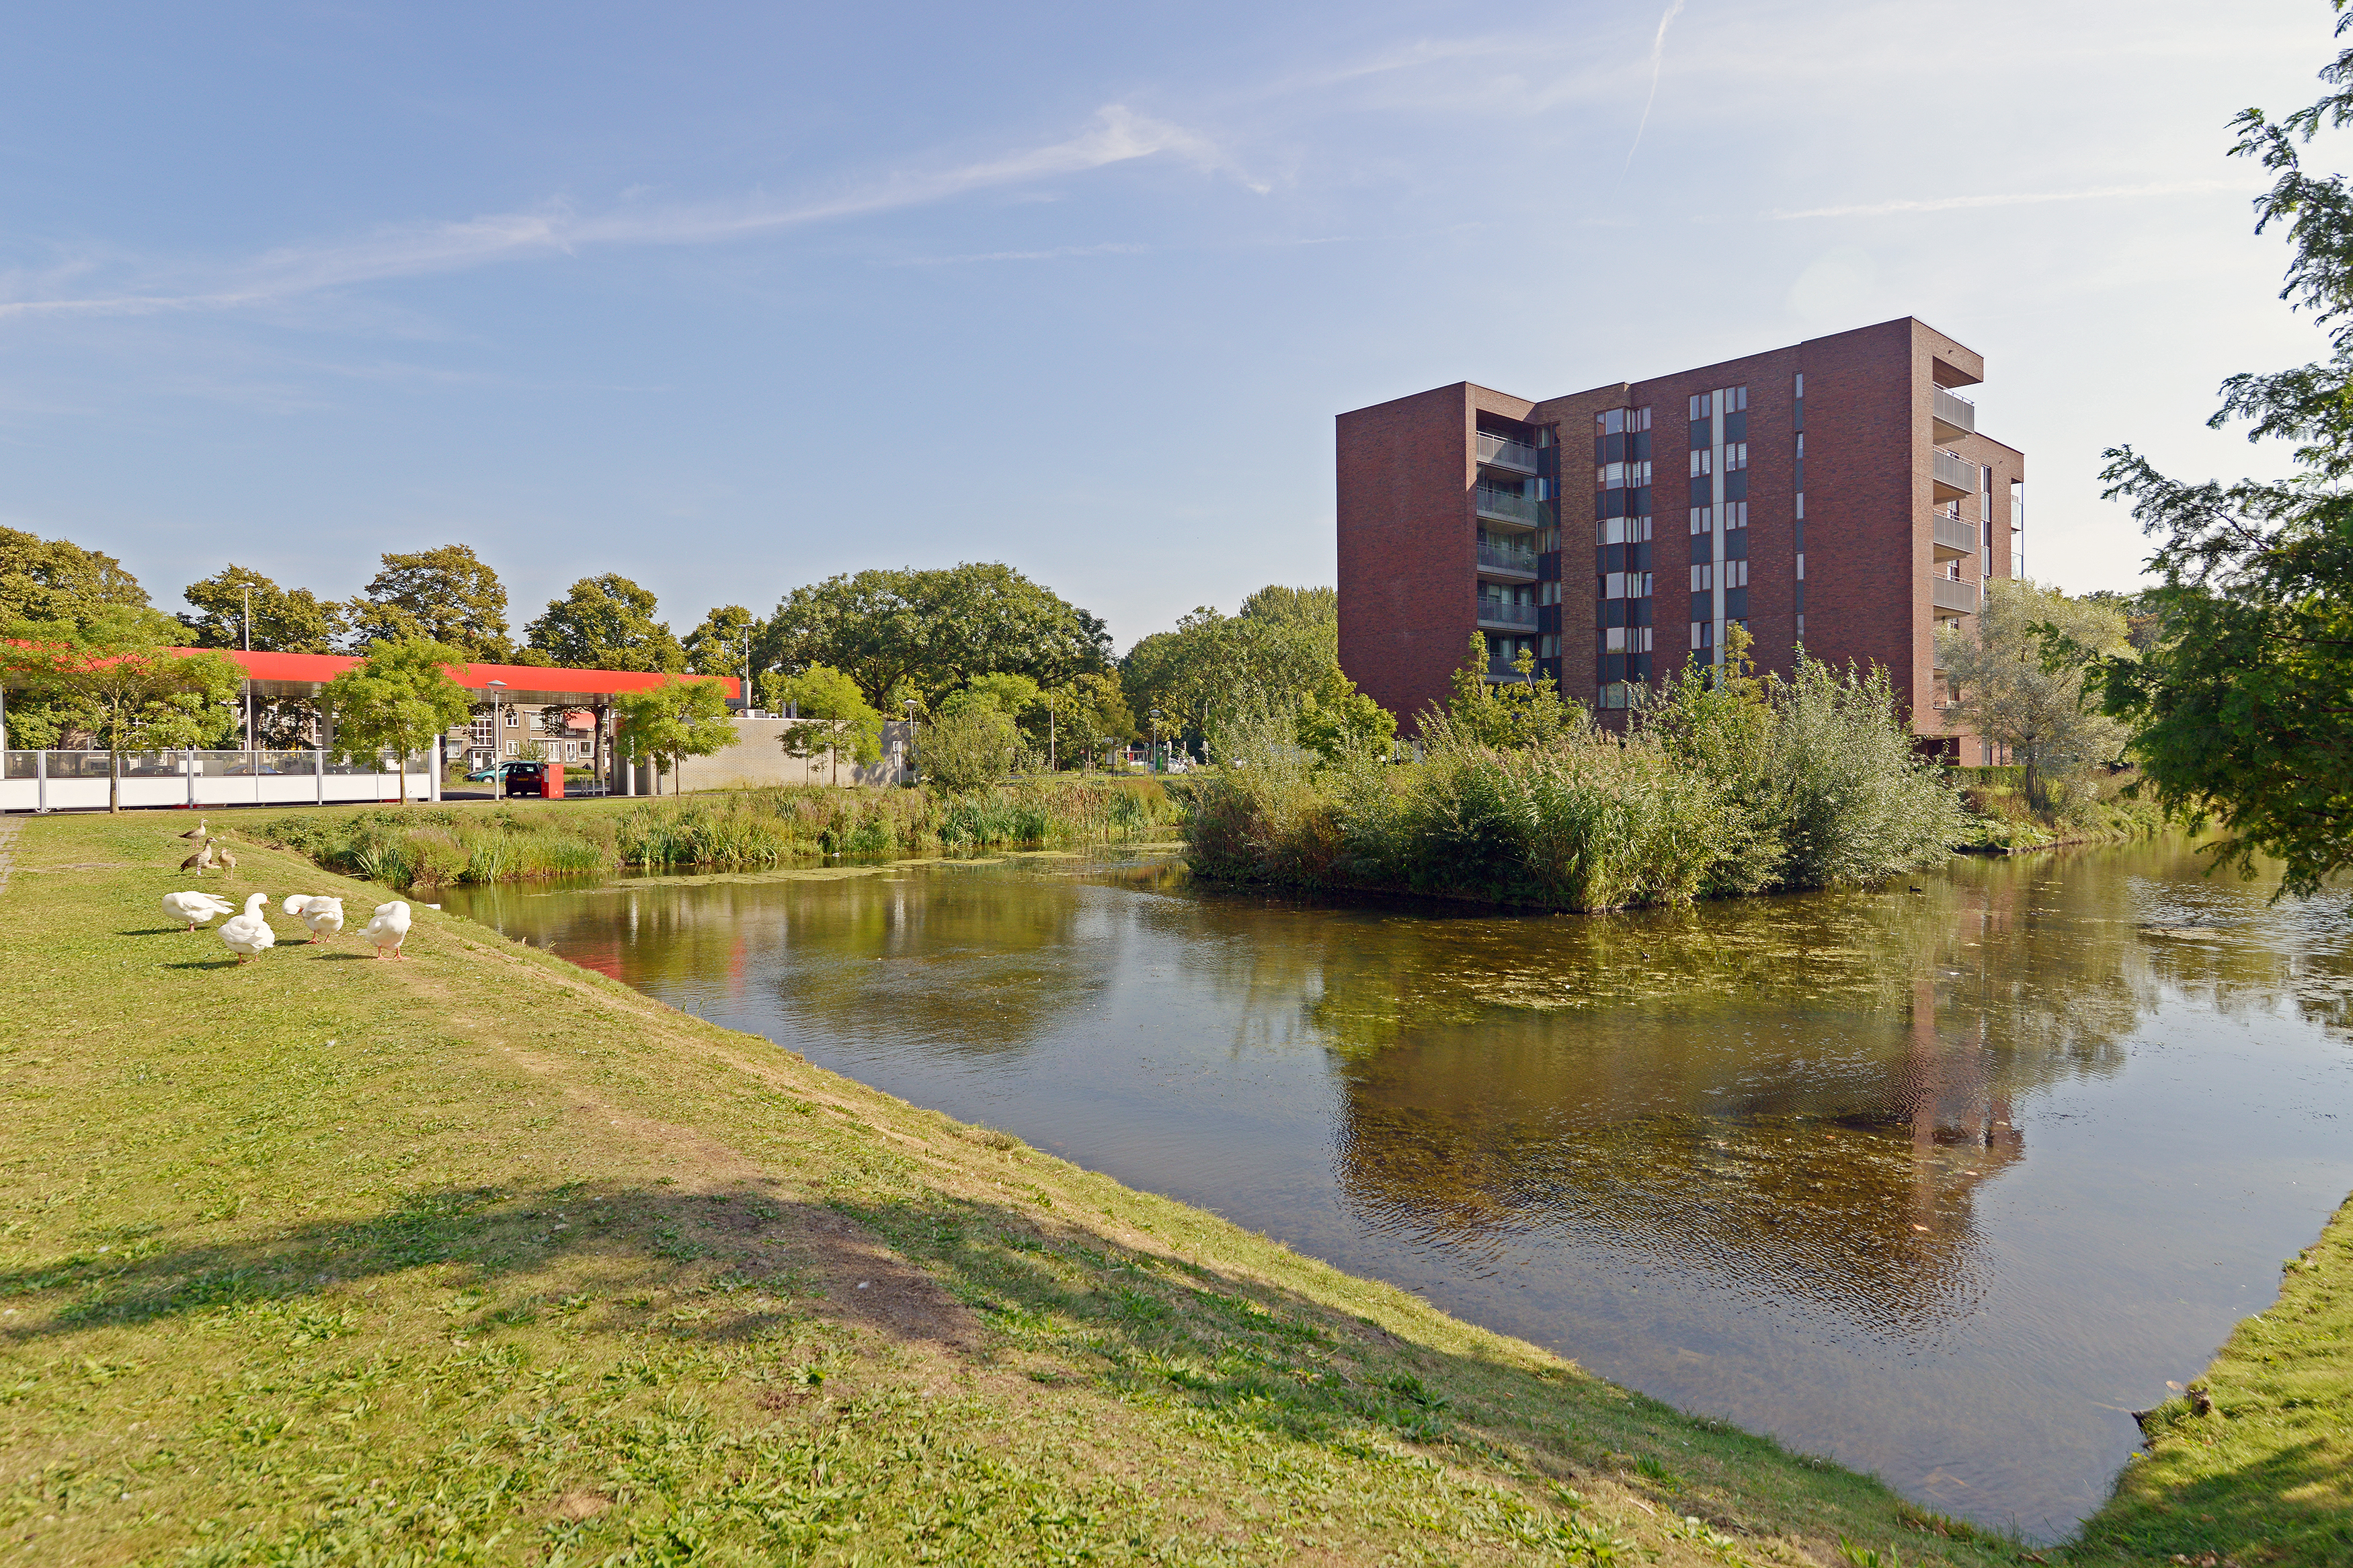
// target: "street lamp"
[[1156, 740]]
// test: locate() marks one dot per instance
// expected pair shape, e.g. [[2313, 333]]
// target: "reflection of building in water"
[[1841, 1170]]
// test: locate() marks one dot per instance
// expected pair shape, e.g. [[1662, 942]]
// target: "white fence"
[[76, 781]]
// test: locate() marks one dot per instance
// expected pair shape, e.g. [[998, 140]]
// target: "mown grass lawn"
[[480, 1258]]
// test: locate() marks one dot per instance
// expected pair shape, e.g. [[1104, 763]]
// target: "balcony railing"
[[1508, 506], [1520, 560], [1496, 613], [1502, 452], [1956, 535], [1955, 476], [1955, 416], [1948, 595], [1503, 671]]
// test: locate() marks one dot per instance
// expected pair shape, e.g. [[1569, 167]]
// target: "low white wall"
[[151, 790]]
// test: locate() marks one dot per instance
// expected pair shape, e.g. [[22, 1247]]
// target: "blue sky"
[[731, 299]]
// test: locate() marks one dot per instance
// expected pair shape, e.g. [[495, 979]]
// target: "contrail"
[[1657, 55]]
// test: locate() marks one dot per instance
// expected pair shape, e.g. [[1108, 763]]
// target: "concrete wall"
[[758, 760]]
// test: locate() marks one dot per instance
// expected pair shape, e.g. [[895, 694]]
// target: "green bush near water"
[[430, 847], [1719, 787]]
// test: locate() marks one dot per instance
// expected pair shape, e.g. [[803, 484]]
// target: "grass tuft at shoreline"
[[427, 847]]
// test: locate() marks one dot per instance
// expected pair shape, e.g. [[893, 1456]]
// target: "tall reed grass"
[[429, 847], [1715, 790]]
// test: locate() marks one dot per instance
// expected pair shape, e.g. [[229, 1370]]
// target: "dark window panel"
[[1613, 448], [1641, 615], [1736, 603], [1613, 558], [1735, 485], [1640, 446], [1702, 491], [1613, 612], [1801, 598], [1735, 425], [1638, 501], [1801, 414], [1703, 606], [1736, 544], [1641, 556], [1801, 536], [1702, 434], [1638, 666]]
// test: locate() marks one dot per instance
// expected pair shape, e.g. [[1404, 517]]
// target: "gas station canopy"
[[268, 675]]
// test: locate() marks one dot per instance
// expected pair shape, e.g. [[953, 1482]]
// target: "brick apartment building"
[[1833, 493]]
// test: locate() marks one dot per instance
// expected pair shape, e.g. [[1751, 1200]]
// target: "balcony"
[[1955, 476], [1954, 416], [1955, 537], [1509, 562], [1504, 673], [1496, 613], [1502, 452], [1957, 598], [1509, 507]]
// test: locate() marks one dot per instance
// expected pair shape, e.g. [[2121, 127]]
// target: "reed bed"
[[426, 847]]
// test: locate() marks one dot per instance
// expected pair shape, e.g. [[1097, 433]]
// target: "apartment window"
[[1701, 407], [1703, 577], [1622, 531], [510, 748], [1626, 639], [1626, 585], [1801, 446], [1802, 506], [1735, 515], [480, 732], [1703, 635], [515, 719], [1735, 574], [1549, 538], [1802, 385], [1801, 566], [1733, 400], [1703, 520], [1625, 476], [1702, 461], [1735, 456], [1614, 695], [1621, 421], [1802, 628], [1548, 647]]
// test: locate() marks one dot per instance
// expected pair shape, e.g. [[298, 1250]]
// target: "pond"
[[1942, 1181]]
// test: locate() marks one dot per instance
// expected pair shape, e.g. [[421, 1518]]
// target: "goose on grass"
[[250, 932], [195, 908], [322, 914], [201, 861], [387, 928]]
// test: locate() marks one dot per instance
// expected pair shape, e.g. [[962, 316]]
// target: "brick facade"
[[1409, 566]]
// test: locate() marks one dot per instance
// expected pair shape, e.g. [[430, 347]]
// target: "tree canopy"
[[606, 622], [2243, 703], [676, 719], [925, 632], [717, 645], [397, 697], [840, 719], [111, 673], [285, 620], [1281, 651], [56, 580], [2022, 674], [448, 595]]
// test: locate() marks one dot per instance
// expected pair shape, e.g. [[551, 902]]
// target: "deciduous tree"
[[113, 672], [606, 622], [2242, 707], [925, 632], [718, 645], [676, 719], [57, 580], [397, 697], [285, 620], [2021, 673], [837, 716], [448, 595]]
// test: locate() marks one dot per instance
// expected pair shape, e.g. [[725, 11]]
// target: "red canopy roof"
[[302, 675]]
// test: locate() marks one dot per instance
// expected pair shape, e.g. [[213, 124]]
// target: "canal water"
[[1942, 1181]]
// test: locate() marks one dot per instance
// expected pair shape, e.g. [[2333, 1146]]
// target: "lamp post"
[[1156, 740], [907, 762], [498, 741]]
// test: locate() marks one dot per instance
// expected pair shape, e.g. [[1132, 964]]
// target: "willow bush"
[[1719, 787], [427, 848]]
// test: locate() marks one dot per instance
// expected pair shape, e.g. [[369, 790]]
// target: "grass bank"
[[429, 847], [480, 1257], [2254, 1462]]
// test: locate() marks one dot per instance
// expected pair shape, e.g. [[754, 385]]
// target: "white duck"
[[322, 914], [195, 908], [388, 928], [250, 932]]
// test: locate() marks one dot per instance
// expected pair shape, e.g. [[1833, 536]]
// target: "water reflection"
[[1941, 1180]]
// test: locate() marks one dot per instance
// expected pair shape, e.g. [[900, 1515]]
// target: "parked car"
[[544, 781]]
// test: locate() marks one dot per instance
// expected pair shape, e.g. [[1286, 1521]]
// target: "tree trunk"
[[400, 770], [114, 781]]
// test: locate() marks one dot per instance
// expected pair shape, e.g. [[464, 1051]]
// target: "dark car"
[[543, 780]]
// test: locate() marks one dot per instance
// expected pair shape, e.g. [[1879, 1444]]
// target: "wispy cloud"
[[1658, 60], [1056, 254], [2028, 198], [1117, 135]]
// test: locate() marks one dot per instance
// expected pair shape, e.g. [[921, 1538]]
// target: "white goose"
[[322, 914], [250, 932], [388, 928], [193, 907]]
